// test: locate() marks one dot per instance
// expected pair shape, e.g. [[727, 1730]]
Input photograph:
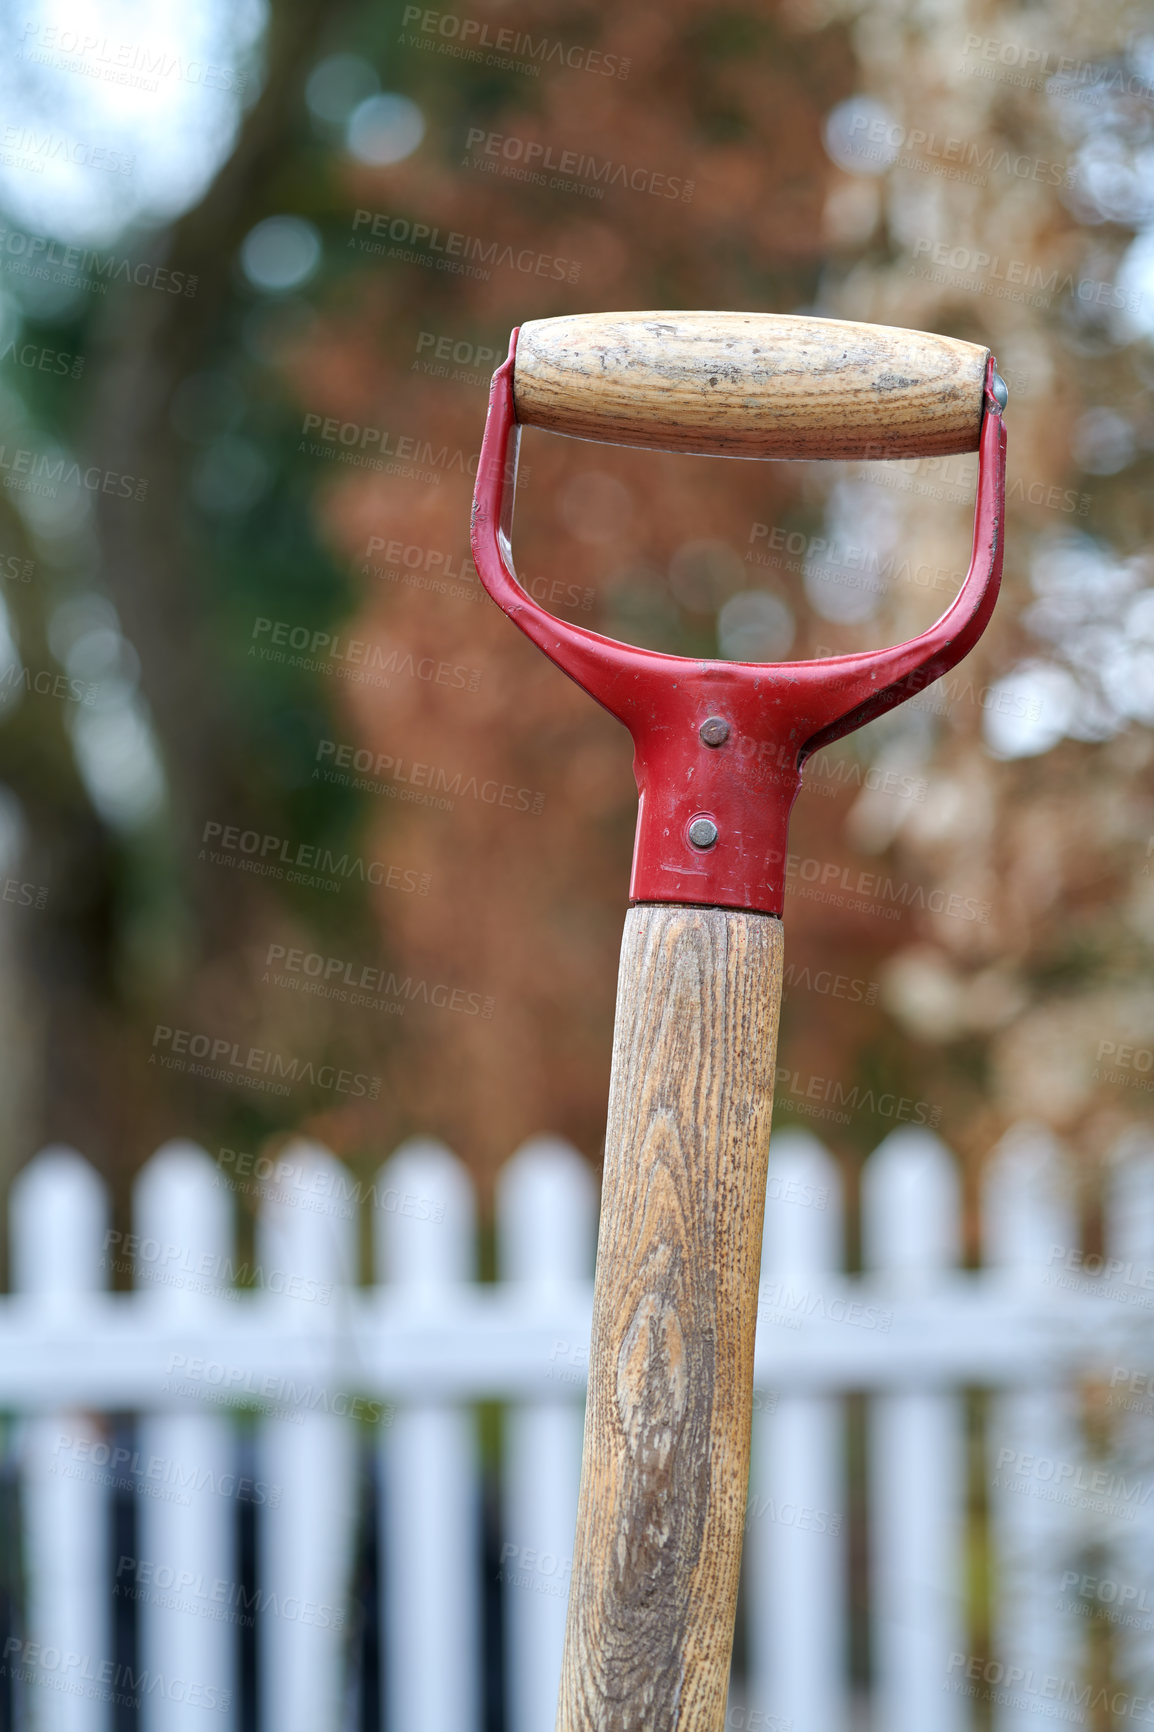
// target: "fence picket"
[[58, 1212], [1028, 1209], [795, 1547], [911, 1213], [186, 1553], [424, 1233], [546, 1214], [305, 1249], [1124, 1593]]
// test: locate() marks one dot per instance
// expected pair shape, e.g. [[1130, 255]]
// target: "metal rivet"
[[703, 832], [715, 731], [1000, 390]]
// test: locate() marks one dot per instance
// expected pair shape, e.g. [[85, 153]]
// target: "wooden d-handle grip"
[[750, 384], [664, 1477]]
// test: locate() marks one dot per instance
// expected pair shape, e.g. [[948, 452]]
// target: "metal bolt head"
[[703, 832], [715, 731], [1000, 390]]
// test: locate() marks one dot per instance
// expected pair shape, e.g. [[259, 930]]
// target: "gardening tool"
[[719, 749]]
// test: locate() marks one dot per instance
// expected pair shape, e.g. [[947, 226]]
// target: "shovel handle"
[[750, 384], [665, 1466]]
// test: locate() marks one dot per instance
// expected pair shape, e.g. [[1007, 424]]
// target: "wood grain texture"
[[667, 1428], [750, 384]]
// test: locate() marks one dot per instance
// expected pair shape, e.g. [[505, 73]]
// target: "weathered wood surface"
[[750, 384], [667, 1428]]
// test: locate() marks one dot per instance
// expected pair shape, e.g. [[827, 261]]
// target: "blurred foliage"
[[491, 990]]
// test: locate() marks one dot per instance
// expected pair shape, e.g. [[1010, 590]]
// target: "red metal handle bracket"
[[736, 794]]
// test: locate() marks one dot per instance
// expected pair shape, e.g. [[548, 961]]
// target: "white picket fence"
[[278, 1394]]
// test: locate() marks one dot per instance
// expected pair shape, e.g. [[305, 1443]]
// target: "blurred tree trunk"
[[145, 344]]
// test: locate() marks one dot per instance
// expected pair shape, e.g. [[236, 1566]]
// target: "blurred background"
[[230, 299], [297, 834]]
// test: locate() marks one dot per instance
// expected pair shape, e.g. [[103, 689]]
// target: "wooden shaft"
[[750, 384], [665, 1470]]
